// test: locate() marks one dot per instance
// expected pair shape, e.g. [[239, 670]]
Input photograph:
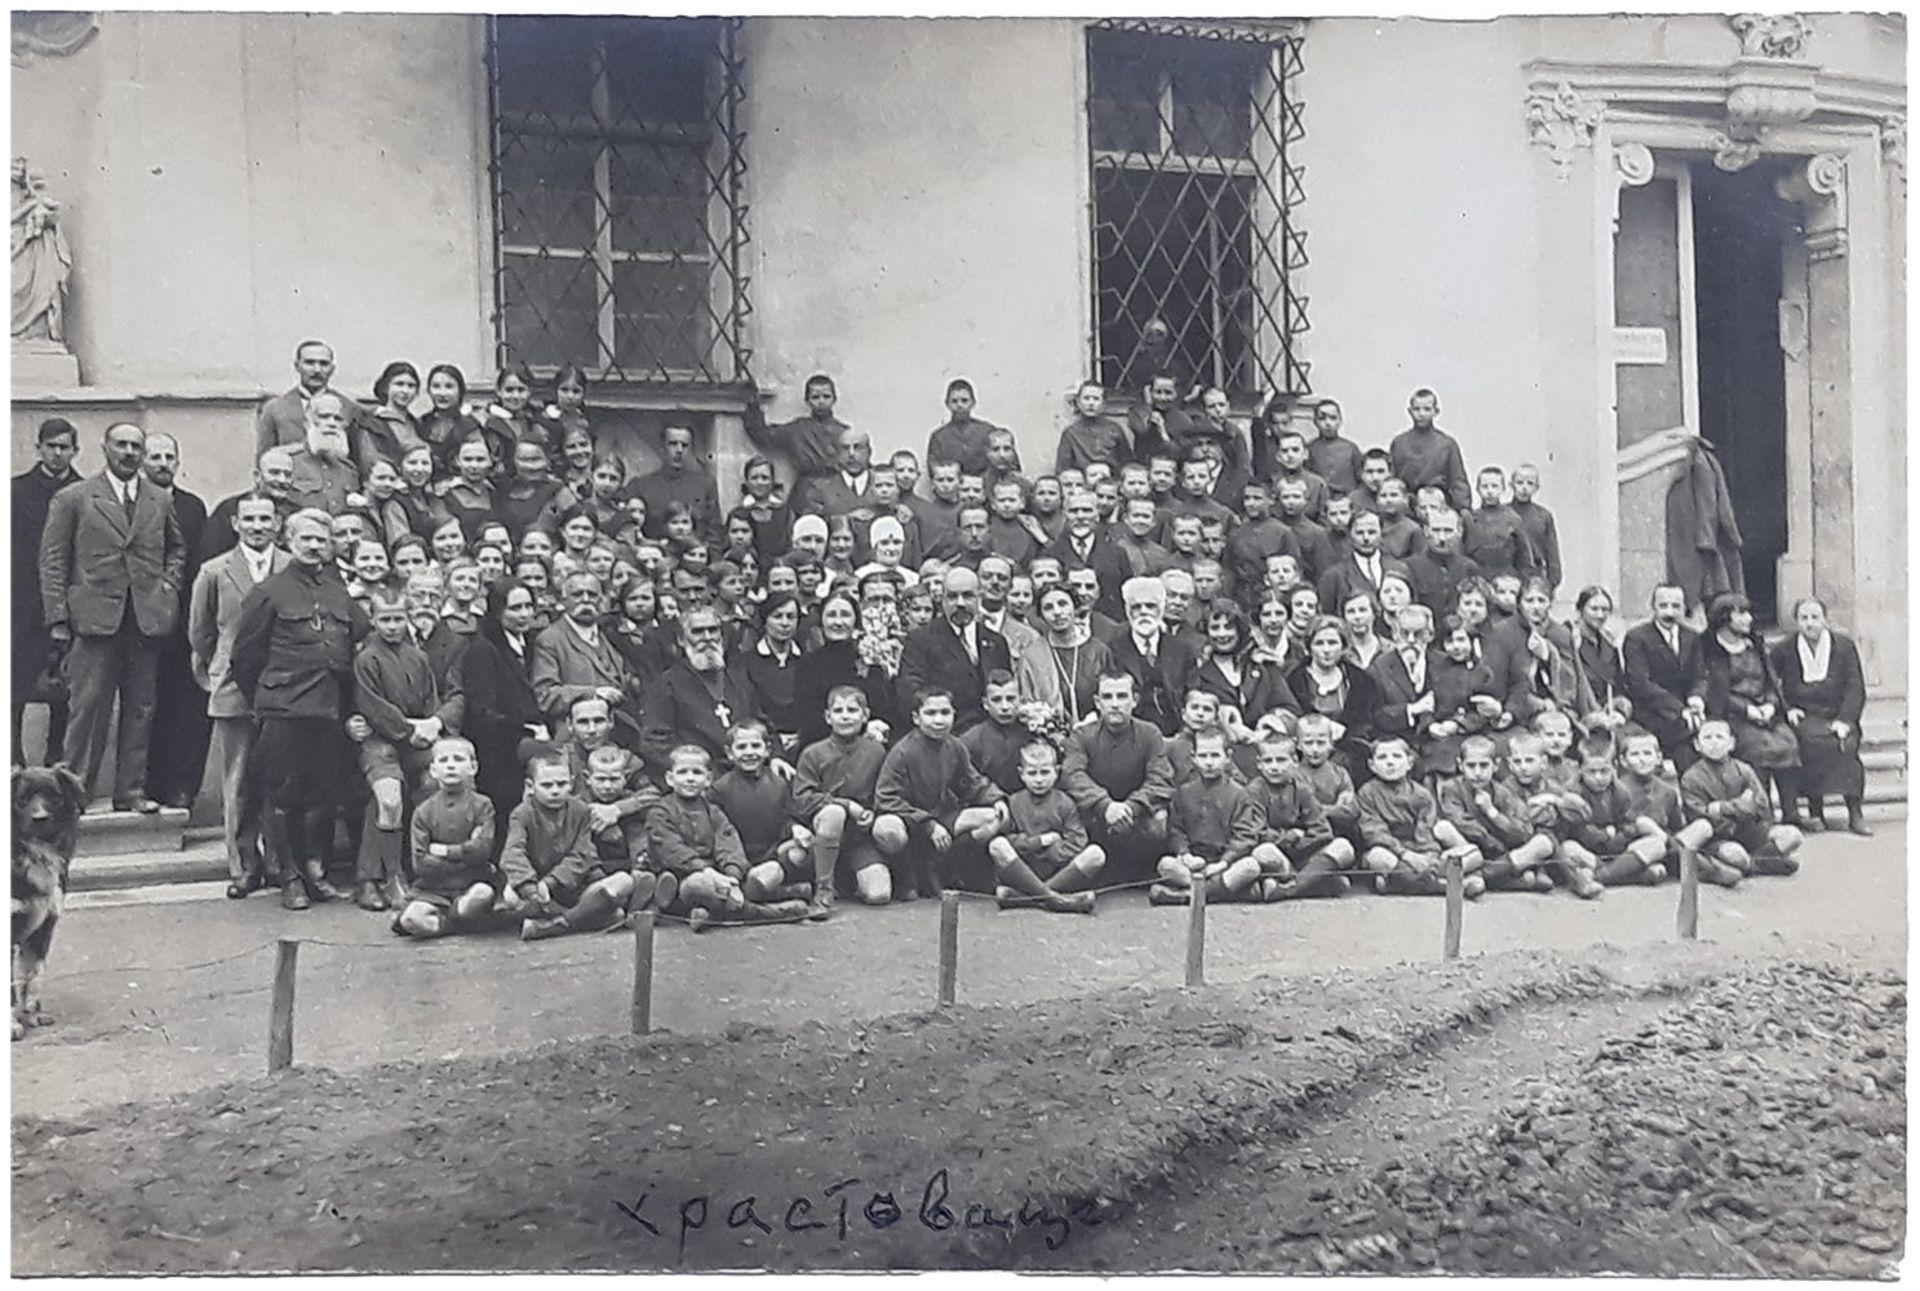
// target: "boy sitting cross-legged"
[[1298, 854], [1329, 780], [833, 793], [1656, 799], [1551, 811], [759, 802], [1623, 846], [452, 835], [689, 837], [1727, 793], [1493, 816], [929, 792], [1042, 859], [619, 835], [1403, 832], [1213, 828], [552, 866]]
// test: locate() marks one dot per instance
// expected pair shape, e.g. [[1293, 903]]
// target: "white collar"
[[766, 651], [590, 635], [1815, 660], [1147, 645]]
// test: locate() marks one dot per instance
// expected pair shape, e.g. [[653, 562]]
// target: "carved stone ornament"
[[1560, 121], [1633, 163], [1731, 154], [1770, 35], [50, 34], [1893, 143]]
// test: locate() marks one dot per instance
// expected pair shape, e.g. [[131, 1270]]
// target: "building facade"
[[1596, 237]]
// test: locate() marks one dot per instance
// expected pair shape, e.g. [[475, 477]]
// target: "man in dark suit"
[[177, 759], [33, 650], [272, 476], [1360, 570], [698, 698], [954, 652], [1083, 544], [1161, 664], [679, 478], [849, 490], [1658, 658], [1438, 567], [112, 563]]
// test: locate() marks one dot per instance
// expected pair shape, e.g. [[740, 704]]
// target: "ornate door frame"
[[1603, 127]]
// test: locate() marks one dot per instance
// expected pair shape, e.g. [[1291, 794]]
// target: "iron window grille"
[[1192, 131], [618, 174]]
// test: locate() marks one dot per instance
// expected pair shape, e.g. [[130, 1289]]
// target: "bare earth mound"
[[1513, 1114]]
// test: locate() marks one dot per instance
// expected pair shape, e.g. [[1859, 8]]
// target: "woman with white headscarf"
[[887, 540], [1825, 692]]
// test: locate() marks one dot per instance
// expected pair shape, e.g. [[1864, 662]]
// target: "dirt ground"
[[1668, 1109]]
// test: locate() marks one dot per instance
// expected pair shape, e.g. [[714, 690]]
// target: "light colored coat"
[[93, 560], [213, 615], [562, 668]]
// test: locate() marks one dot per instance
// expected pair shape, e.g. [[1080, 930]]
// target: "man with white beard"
[[696, 700], [324, 475]]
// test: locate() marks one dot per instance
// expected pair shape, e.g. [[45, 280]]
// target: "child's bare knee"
[[1092, 860], [890, 835], [421, 919], [830, 822], [762, 879], [1003, 854], [1339, 851], [874, 884], [388, 804]]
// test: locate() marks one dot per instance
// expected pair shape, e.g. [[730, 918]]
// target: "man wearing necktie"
[[1364, 568], [955, 652], [1658, 659], [112, 562]]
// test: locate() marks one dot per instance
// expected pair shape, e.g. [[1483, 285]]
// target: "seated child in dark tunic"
[[1042, 859], [454, 882], [1727, 793], [1213, 828]]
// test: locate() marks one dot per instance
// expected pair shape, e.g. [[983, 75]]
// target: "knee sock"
[[1320, 876], [1619, 870], [826, 855], [594, 910], [1787, 782]]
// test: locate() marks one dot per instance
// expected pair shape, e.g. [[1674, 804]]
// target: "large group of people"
[[465, 652]]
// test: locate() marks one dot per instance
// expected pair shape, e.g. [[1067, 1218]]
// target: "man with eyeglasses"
[[698, 699], [574, 659]]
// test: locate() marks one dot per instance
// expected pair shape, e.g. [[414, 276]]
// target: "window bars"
[[1191, 131], [618, 196]]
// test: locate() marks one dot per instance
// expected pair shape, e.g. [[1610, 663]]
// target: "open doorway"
[[1741, 228]]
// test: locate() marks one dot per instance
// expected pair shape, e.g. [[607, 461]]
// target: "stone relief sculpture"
[[50, 34], [42, 262]]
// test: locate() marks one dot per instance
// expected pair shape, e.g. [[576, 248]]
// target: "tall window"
[[617, 188], [1194, 191]]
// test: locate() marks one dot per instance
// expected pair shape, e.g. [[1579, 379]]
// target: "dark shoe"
[[1071, 903], [1776, 866], [396, 892], [183, 801], [821, 907], [140, 803], [318, 885], [1857, 823], [541, 929], [368, 896], [1167, 894], [293, 896]]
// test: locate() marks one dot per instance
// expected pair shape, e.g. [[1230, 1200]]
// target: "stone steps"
[[109, 871], [104, 832]]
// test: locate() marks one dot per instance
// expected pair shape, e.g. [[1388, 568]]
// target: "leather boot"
[[368, 896], [1857, 818], [1816, 821], [316, 876]]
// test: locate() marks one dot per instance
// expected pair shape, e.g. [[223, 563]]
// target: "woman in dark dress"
[[1825, 691], [770, 663], [1329, 683], [833, 663], [1736, 683], [1596, 657], [502, 718]]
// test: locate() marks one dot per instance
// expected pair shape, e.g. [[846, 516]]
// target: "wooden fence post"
[[643, 924], [280, 1022], [1197, 934], [949, 946], [1688, 916], [1456, 905]]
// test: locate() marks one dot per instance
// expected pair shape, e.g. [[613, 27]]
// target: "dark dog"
[[47, 802]]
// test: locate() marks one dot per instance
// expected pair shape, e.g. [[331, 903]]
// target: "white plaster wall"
[[1421, 235], [239, 182], [919, 213]]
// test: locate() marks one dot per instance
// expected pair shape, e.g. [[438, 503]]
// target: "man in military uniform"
[[293, 661]]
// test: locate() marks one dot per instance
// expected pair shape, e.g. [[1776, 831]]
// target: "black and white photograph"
[[807, 643]]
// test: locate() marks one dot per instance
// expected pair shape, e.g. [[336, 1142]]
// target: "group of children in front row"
[[594, 840]]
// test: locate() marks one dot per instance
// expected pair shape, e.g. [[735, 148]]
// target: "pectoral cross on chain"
[[724, 713]]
